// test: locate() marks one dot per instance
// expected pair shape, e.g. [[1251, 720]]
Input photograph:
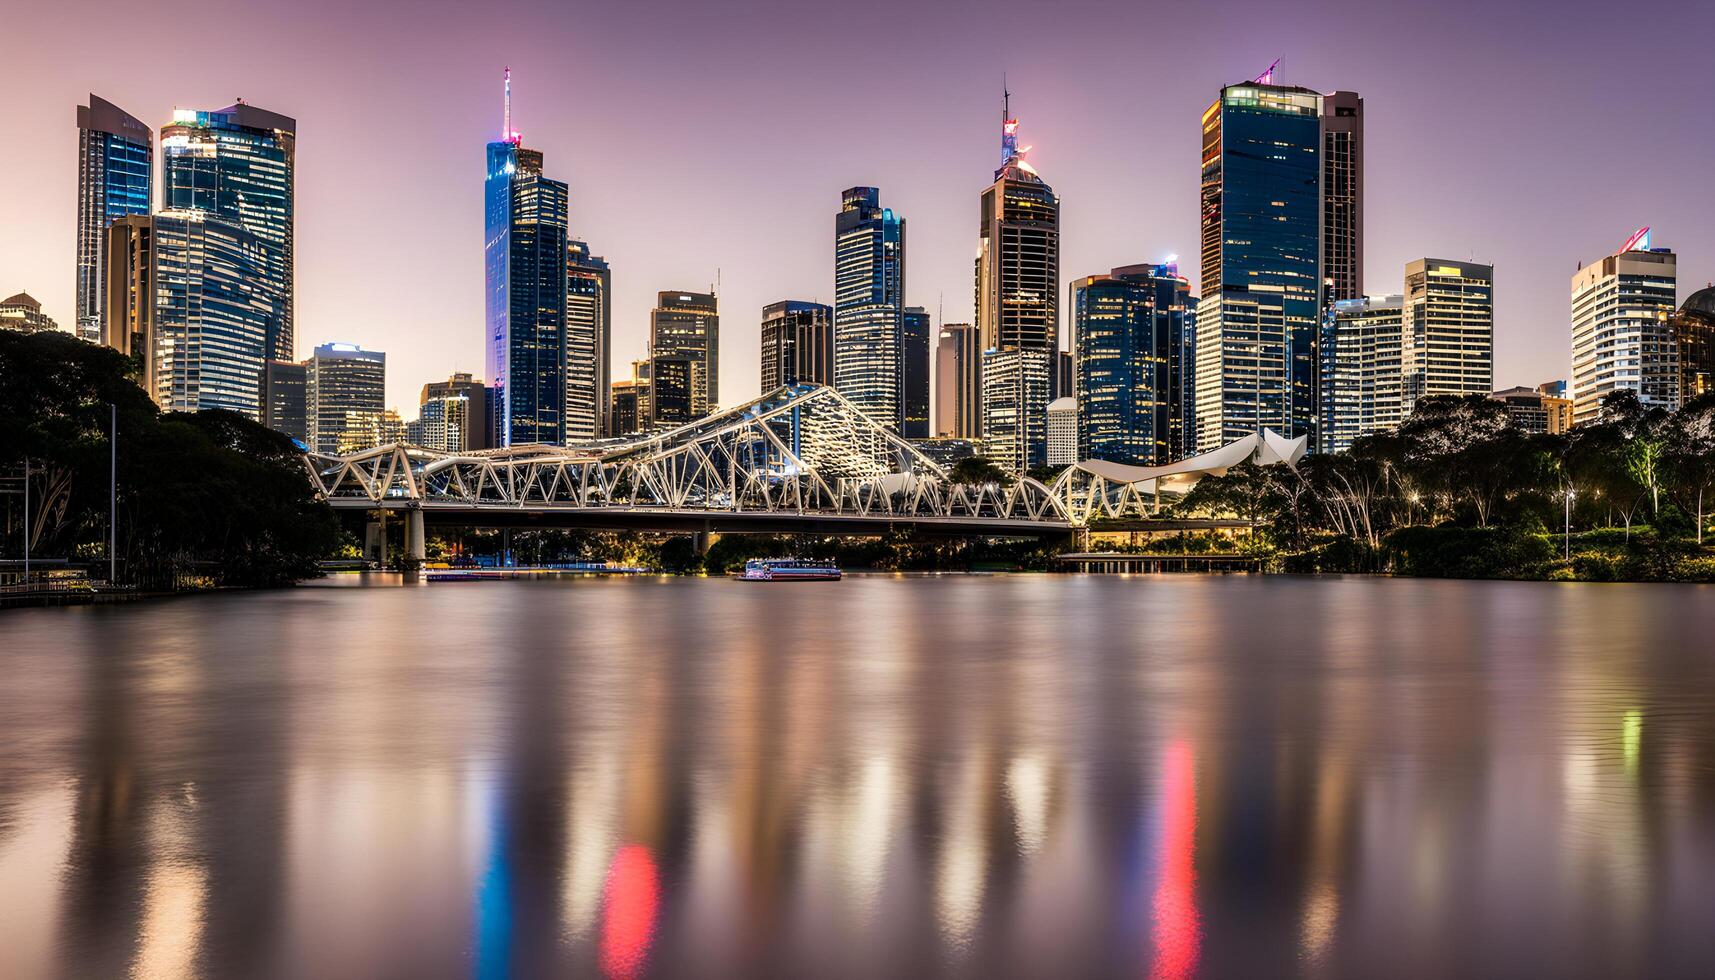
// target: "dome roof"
[[22, 299], [1702, 301]]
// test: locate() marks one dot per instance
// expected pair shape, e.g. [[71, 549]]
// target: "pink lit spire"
[[506, 133], [1267, 77]]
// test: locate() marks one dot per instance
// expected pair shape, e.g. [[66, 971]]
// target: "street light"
[[1570, 493]]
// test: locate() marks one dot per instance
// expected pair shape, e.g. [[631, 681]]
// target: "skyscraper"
[[958, 382], [346, 390], [687, 326], [1015, 406], [589, 336], [1620, 334], [914, 372], [454, 414], [869, 304], [192, 296], [673, 391], [115, 179], [1449, 329], [1128, 329], [1362, 371], [1017, 280], [285, 398], [1342, 196], [1262, 248], [797, 344], [1063, 431], [238, 163], [526, 286]]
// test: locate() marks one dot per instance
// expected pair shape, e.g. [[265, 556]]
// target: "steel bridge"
[[800, 459]]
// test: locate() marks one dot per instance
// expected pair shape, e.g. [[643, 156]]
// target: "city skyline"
[[1128, 197]]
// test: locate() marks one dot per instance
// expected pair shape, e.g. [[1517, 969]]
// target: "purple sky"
[[698, 136]]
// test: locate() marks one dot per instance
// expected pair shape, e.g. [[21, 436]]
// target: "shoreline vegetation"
[[212, 500]]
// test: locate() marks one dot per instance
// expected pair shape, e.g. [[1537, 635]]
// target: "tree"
[[1690, 455], [977, 470]]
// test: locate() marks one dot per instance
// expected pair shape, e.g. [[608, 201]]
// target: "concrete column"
[[375, 539], [704, 538], [414, 550]]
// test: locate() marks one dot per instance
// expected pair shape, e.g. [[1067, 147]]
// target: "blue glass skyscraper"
[[238, 163], [115, 179], [524, 255], [1129, 331], [869, 304]]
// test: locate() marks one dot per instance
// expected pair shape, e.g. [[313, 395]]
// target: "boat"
[[789, 570]]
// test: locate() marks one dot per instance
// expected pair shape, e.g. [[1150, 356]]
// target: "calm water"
[[963, 776]]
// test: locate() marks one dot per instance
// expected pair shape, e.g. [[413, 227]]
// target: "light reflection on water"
[[986, 776]]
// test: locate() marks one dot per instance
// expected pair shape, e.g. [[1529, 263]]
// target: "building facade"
[[674, 393], [453, 415], [1362, 371], [797, 344], [589, 339], [1017, 287], [1015, 406], [23, 313], [191, 296], [1693, 329], [869, 305], [1063, 431], [1342, 197], [285, 398], [958, 382], [115, 179], [1449, 329], [687, 326], [346, 389], [526, 287], [239, 164], [914, 329], [1620, 333], [1262, 283], [1128, 331]]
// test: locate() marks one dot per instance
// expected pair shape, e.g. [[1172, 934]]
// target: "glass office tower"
[[1362, 371], [797, 344], [346, 390], [687, 326], [1017, 284], [589, 330], [238, 163], [115, 179], [526, 286], [958, 382], [1262, 220], [1128, 328], [191, 296], [285, 398], [914, 372], [869, 304]]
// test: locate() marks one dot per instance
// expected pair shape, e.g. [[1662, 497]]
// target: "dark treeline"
[[1460, 491], [207, 498]]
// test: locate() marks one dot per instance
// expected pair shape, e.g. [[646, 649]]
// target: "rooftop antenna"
[[1267, 77], [506, 116], [1008, 125]]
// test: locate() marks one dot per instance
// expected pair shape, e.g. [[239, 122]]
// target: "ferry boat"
[[790, 570]]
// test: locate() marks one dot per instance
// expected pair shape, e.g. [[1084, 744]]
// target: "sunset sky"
[[705, 139]]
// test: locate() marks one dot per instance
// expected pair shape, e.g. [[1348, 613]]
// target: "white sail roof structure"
[[1097, 487]]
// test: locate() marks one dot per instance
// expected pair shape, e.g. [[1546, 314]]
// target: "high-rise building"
[[1693, 330], [625, 412], [454, 414], [1265, 222], [797, 344], [1017, 278], [1015, 406], [192, 297], [673, 391], [22, 312], [958, 382], [589, 336], [1449, 329], [524, 254], [238, 163], [285, 398], [1128, 329], [1063, 377], [1063, 431], [1620, 334], [1362, 371], [914, 372], [687, 326], [1342, 197], [115, 179], [1182, 388], [869, 304], [346, 390]]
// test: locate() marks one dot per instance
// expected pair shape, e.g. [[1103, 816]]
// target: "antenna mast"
[[506, 117]]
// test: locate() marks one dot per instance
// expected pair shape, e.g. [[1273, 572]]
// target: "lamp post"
[[112, 494], [1570, 493]]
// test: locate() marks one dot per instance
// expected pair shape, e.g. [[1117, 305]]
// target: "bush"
[[1446, 551]]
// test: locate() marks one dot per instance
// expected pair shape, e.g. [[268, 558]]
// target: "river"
[[1027, 775]]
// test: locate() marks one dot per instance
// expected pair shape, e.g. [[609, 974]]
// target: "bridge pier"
[[705, 538], [414, 548], [375, 539]]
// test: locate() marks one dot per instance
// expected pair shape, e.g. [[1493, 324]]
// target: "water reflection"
[[1172, 777]]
